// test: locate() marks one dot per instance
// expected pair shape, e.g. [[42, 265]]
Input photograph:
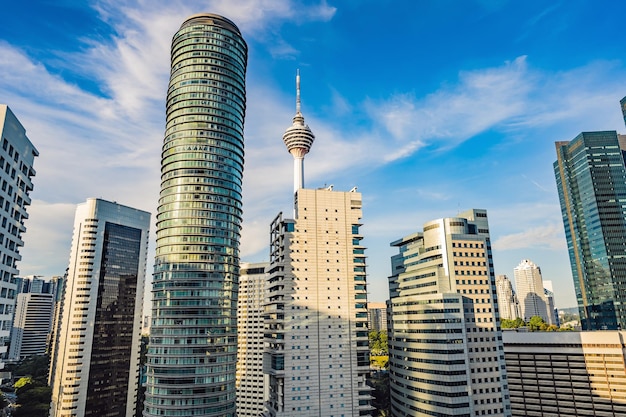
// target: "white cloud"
[[509, 98], [549, 236]]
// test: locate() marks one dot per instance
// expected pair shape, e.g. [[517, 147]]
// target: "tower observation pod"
[[298, 139]]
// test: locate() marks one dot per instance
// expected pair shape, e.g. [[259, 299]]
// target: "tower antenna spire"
[[298, 105], [298, 138]]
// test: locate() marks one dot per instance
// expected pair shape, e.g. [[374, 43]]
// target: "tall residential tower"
[[317, 354], [193, 342], [591, 180], [17, 156], [94, 369]]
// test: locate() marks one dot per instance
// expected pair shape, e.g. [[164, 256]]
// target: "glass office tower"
[[94, 367], [193, 343], [591, 180]]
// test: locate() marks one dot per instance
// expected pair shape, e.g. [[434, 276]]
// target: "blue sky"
[[429, 107]]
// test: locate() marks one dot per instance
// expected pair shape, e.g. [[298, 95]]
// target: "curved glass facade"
[[192, 353]]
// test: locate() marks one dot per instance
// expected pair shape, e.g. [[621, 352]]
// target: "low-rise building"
[[566, 373]]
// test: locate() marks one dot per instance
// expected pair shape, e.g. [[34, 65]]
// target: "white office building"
[[94, 369], [31, 325], [530, 292], [445, 345], [507, 299]]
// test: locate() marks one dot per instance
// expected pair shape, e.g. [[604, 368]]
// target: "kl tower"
[[298, 139]]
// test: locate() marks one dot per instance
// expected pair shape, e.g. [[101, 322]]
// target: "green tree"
[[537, 323], [378, 343], [512, 324], [33, 394]]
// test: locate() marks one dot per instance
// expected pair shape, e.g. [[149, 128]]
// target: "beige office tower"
[[445, 346], [507, 299], [250, 308], [94, 368], [316, 338], [530, 292]]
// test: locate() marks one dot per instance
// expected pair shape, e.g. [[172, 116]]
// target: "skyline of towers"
[[591, 181], [17, 156], [94, 368], [192, 355], [531, 293], [444, 338]]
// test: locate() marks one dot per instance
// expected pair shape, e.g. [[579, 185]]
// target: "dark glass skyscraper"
[[591, 180], [192, 353], [94, 366]]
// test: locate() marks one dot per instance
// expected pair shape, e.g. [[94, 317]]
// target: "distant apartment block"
[[566, 374], [94, 370], [251, 387], [507, 299], [377, 316], [17, 155], [33, 318], [53, 338], [445, 345]]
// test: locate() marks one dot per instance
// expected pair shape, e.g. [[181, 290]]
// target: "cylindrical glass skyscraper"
[[192, 352]]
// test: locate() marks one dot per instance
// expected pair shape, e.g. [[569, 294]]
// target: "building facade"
[[251, 387], [33, 318], [530, 292], [95, 368], [192, 355], [507, 300], [566, 373], [591, 180], [445, 344], [17, 156], [317, 349]]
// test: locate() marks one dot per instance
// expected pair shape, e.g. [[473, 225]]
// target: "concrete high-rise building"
[[508, 304], [567, 374], [192, 355], [445, 345], [377, 316], [95, 367], [591, 180], [316, 338], [17, 156], [33, 318], [53, 339], [530, 292], [251, 388]]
